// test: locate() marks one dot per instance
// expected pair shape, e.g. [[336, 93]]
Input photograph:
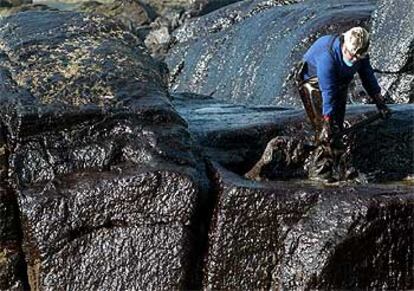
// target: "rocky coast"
[[126, 128]]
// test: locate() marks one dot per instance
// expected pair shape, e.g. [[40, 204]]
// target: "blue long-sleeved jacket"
[[324, 59]]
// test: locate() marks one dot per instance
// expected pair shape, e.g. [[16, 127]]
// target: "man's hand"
[[382, 107], [384, 110]]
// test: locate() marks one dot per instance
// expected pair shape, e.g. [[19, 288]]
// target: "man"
[[327, 69]]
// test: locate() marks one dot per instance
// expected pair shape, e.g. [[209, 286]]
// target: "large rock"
[[236, 135], [172, 15], [101, 163], [294, 235], [244, 53], [392, 48]]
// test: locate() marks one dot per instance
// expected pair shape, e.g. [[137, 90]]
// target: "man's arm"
[[370, 83], [328, 84]]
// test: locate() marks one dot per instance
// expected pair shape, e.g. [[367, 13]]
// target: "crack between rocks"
[[203, 218], [21, 268]]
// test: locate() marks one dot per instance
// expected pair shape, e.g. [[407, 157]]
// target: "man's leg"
[[312, 102], [338, 147], [319, 164]]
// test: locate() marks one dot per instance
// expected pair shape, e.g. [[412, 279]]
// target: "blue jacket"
[[324, 59]]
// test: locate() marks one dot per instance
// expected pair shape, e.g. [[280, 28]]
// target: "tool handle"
[[358, 125]]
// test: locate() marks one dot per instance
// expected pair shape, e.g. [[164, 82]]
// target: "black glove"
[[382, 107]]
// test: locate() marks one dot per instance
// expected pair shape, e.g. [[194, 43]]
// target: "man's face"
[[350, 56]]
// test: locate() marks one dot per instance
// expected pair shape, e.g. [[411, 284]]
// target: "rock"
[[392, 48], [103, 167], [191, 7], [13, 3], [244, 53], [158, 42], [236, 136], [25, 7], [134, 14], [294, 235], [201, 27], [392, 36]]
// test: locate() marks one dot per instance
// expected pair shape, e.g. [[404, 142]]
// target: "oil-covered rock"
[[392, 48], [133, 14], [191, 7], [244, 53], [12, 267], [296, 235], [13, 3], [236, 136], [101, 163]]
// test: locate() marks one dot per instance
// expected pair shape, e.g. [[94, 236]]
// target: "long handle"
[[358, 125]]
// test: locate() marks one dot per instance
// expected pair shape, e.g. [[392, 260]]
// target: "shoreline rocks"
[[102, 165], [244, 53], [105, 174], [292, 235]]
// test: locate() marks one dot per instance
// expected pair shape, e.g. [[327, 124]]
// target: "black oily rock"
[[384, 150], [190, 7], [235, 135], [392, 48], [173, 14], [101, 163], [111, 230], [244, 53], [392, 39], [13, 3], [133, 14], [201, 7], [12, 272], [223, 19], [301, 236], [58, 55], [25, 7]]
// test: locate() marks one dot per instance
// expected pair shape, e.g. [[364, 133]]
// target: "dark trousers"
[[326, 160], [312, 101]]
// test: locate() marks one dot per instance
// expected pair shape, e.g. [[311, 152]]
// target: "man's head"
[[356, 43]]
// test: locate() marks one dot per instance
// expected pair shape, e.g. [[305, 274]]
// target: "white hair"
[[356, 40]]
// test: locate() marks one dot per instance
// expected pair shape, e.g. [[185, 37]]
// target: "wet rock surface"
[[102, 165], [236, 136], [302, 236], [174, 14], [243, 53], [191, 7], [104, 170], [133, 14], [25, 7], [12, 267], [11, 3], [392, 49]]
